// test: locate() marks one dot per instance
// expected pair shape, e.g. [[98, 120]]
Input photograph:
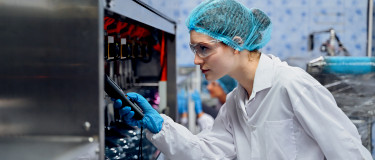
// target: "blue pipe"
[[349, 65]]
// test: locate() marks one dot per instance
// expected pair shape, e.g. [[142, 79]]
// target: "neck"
[[223, 98], [245, 71]]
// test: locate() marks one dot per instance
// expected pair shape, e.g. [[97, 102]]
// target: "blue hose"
[[349, 65]]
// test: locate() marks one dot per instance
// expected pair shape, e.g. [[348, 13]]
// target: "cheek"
[[223, 63]]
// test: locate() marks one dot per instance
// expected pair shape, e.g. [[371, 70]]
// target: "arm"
[[205, 121], [182, 107], [317, 112], [177, 142]]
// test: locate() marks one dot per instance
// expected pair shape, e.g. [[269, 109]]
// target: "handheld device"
[[114, 91]]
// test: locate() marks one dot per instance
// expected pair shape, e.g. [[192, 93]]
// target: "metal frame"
[[141, 12], [370, 27]]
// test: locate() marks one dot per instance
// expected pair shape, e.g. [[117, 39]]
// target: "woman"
[[205, 114], [218, 89], [276, 112]]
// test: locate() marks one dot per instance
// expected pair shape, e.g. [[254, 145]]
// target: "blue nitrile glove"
[[197, 102], [151, 120], [182, 102]]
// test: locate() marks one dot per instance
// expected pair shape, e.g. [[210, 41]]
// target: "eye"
[[203, 48]]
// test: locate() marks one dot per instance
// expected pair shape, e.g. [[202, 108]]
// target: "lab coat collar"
[[264, 73], [262, 80]]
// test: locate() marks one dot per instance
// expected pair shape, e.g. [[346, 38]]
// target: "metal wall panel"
[[49, 75]]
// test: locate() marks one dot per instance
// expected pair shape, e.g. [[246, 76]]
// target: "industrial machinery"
[[332, 47], [351, 80], [138, 57]]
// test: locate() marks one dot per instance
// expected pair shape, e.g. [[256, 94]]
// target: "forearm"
[[174, 140], [177, 142]]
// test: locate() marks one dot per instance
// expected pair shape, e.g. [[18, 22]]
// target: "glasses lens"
[[203, 49], [192, 47]]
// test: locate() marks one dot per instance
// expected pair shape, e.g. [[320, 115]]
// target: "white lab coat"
[[289, 116], [205, 122]]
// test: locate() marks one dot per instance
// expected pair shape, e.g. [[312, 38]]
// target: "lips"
[[204, 70]]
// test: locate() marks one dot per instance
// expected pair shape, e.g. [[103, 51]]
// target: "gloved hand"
[[182, 102], [197, 102], [151, 120]]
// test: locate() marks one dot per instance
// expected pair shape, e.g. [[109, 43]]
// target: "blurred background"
[[293, 22]]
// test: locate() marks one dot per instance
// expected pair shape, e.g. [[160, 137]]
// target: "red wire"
[[163, 61], [108, 21]]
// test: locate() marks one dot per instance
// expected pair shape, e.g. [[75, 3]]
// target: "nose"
[[197, 60]]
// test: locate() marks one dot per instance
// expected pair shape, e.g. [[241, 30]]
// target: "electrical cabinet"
[[139, 56]]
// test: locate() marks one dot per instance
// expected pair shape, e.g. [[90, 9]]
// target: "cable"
[[140, 146], [163, 60]]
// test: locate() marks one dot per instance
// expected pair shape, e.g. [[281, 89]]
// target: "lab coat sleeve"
[[177, 142], [317, 112], [205, 122]]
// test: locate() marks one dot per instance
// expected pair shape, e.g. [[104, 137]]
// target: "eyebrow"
[[195, 42], [208, 41]]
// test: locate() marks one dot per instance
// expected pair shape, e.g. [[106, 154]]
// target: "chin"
[[209, 77]]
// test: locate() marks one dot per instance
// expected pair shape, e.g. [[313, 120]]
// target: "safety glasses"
[[204, 49]]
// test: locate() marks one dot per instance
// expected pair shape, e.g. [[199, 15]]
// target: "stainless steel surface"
[[137, 12], [171, 76], [370, 23], [50, 73], [48, 148]]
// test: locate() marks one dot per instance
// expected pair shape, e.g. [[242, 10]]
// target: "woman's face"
[[220, 60], [215, 89]]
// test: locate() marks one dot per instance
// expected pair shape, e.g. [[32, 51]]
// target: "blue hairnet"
[[227, 83], [232, 23]]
